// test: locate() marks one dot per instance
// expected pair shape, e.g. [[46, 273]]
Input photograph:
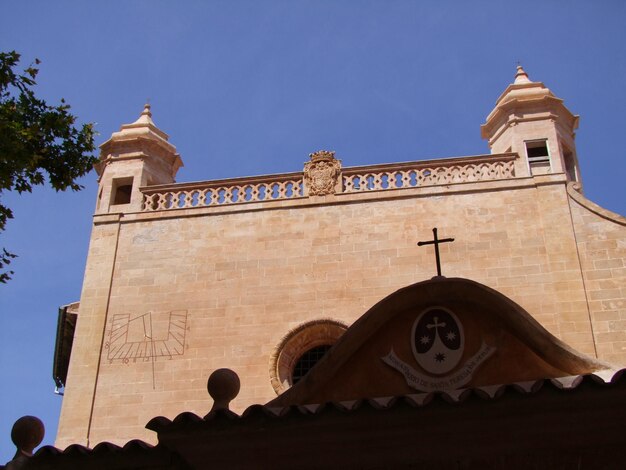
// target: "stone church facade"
[[255, 273]]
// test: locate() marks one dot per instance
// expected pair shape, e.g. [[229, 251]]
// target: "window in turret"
[[538, 156], [122, 190]]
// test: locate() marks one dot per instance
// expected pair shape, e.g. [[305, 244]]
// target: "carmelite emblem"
[[321, 173], [437, 341], [438, 344]]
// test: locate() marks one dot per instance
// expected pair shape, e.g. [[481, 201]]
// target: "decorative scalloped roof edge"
[[100, 448], [601, 378], [489, 392]]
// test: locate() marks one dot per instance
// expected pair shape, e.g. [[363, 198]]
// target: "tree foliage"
[[38, 143]]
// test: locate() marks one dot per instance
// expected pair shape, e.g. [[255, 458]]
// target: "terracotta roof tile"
[[256, 412]]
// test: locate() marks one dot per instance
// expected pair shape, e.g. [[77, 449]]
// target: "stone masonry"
[[182, 280]]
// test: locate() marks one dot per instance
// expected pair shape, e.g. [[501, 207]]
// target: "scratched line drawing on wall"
[[146, 336]]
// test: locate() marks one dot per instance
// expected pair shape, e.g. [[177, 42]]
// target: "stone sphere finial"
[[27, 433], [223, 386]]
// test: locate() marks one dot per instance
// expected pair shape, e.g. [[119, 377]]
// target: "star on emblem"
[[440, 357], [451, 335], [424, 339]]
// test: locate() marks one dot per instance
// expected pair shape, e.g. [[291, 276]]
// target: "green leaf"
[[39, 143]]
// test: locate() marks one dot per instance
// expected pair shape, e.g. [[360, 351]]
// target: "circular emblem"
[[437, 339]]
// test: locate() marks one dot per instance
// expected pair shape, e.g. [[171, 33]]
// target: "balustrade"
[[382, 177], [216, 193], [428, 173]]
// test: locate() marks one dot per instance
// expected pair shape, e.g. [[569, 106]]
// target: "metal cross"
[[436, 242]]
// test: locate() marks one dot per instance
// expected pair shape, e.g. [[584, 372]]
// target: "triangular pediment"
[[440, 334]]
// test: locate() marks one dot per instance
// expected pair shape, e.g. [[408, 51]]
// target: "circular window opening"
[[300, 350], [307, 361]]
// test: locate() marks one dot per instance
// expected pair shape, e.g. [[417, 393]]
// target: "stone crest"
[[438, 343], [321, 173]]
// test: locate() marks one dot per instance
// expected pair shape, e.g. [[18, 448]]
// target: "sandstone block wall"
[[244, 276], [601, 242]]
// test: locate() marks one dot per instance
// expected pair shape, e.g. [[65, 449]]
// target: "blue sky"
[[253, 87]]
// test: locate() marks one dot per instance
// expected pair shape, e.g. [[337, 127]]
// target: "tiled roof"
[[598, 379], [101, 448], [580, 418]]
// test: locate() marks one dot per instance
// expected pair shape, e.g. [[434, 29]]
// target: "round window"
[[300, 350], [307, 361]]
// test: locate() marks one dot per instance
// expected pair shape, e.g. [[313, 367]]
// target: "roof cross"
[[436, 242]]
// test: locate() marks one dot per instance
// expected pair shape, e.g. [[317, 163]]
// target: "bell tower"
[[530, 120], [139, 154]]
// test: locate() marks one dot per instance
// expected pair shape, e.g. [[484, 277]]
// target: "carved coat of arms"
[[438, 343], [321, 173]]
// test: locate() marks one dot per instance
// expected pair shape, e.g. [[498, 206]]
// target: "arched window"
[[307, 361], [301, 349]]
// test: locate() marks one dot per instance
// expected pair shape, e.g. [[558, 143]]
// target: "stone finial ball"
[[27, 433], [223, 385]]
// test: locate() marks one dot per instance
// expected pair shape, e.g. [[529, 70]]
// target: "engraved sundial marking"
[[141, 338]]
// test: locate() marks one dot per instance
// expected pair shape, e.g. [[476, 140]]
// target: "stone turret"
[[530, 120], [138, 155]]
